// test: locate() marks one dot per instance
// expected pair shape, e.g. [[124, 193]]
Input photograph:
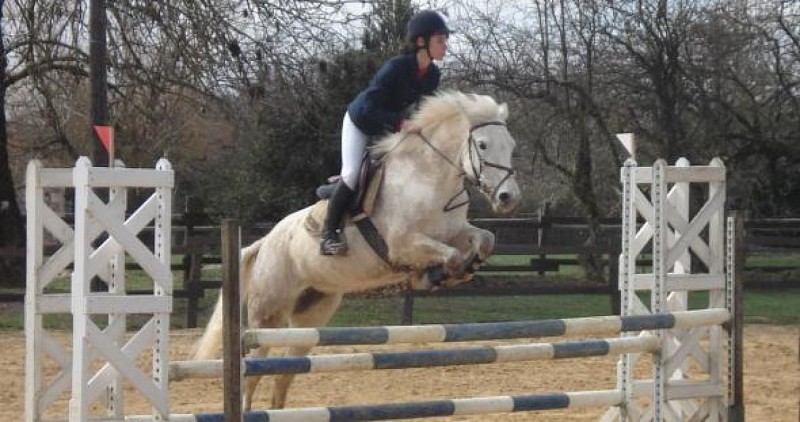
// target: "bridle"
[[476, 171]]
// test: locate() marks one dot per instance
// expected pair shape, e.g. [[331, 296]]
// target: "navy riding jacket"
[[395, 87]]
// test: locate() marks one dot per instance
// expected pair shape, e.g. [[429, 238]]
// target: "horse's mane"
[[442, 107]]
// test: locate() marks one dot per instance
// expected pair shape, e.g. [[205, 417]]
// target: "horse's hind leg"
[[312, 309], [276, 320]]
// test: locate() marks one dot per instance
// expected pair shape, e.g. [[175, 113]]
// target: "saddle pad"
[[316, 216], [374, 187]]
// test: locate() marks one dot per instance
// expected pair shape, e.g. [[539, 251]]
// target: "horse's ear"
[[503, 111]]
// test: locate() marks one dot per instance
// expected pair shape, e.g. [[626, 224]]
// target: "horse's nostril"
[[504, 196]]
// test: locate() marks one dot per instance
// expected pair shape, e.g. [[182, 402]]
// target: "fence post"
[[544, 213], [232, 319], [736, 327], [614, 295], [192, 269], [407, 318]]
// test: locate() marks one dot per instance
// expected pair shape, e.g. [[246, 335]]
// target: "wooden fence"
[[547, 243], [544, 237]]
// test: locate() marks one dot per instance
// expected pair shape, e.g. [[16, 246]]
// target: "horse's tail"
[[210, 342]]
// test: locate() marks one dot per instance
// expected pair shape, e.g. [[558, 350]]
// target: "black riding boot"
[[333, 241]]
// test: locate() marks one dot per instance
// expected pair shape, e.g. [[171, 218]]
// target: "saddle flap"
[[370, 194], [363, 202]]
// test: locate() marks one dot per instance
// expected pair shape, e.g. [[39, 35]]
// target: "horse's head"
[[487, 158], [469, 133]]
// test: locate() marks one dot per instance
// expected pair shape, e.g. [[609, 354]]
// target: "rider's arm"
[[383, 87]]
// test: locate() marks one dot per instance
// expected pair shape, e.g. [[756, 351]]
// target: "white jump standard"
[[91, 343]]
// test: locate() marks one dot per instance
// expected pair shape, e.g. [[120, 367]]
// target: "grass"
[[772, 259], [453, 310], [761, 306], [772, 307], [565, 272]]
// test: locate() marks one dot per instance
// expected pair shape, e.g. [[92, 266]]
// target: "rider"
[[398, 84]]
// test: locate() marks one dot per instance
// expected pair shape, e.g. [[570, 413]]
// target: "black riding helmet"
[[424, 24]]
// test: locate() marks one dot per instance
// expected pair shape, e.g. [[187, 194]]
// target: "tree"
[[544, 56], [31, 50], [290, 134], [746, 81], [11, 233], [168, 63]]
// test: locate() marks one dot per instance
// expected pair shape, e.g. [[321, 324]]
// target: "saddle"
[[369, 185], [369, 180]]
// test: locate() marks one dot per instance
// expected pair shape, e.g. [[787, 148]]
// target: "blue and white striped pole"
[[602, 325], [427, 409], [419, 359]]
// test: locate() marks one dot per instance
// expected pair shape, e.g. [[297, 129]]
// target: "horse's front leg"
[[421, 252], [474, 243]]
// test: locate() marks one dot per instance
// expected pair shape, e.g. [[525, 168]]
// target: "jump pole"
[[411, 410], [461, 356], [445, 333], [345, 362]]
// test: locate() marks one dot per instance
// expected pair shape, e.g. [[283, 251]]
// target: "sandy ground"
[[772, 381]]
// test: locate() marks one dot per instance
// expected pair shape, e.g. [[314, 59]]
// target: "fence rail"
[[550, 243]]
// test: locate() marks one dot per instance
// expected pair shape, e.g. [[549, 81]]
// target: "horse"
[[420, 209]]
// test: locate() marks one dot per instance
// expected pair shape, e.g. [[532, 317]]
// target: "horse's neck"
[[438, 167], [417, 185]]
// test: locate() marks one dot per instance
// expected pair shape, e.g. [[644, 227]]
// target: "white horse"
[[419, 207]]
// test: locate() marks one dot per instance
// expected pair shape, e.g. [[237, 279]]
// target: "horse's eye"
[[482, 145]]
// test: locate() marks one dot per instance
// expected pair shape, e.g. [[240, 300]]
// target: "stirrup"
[[333, 243]]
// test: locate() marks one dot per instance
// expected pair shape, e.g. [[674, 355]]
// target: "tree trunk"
[[584, 191], [12, 233]]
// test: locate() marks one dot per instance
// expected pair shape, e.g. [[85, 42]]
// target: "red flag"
[[106, 135]]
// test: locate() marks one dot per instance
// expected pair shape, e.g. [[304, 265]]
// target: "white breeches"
[[354, 142]]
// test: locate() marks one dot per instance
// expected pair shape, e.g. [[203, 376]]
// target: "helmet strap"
[[427, 47]]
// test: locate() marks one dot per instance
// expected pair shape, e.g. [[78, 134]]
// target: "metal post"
[[98, 87], [98, 54]]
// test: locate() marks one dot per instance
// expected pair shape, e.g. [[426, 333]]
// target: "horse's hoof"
[[434, 276], [453, 282], [333, 252]]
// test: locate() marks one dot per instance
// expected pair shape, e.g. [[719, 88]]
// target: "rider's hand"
[[405, 125]]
